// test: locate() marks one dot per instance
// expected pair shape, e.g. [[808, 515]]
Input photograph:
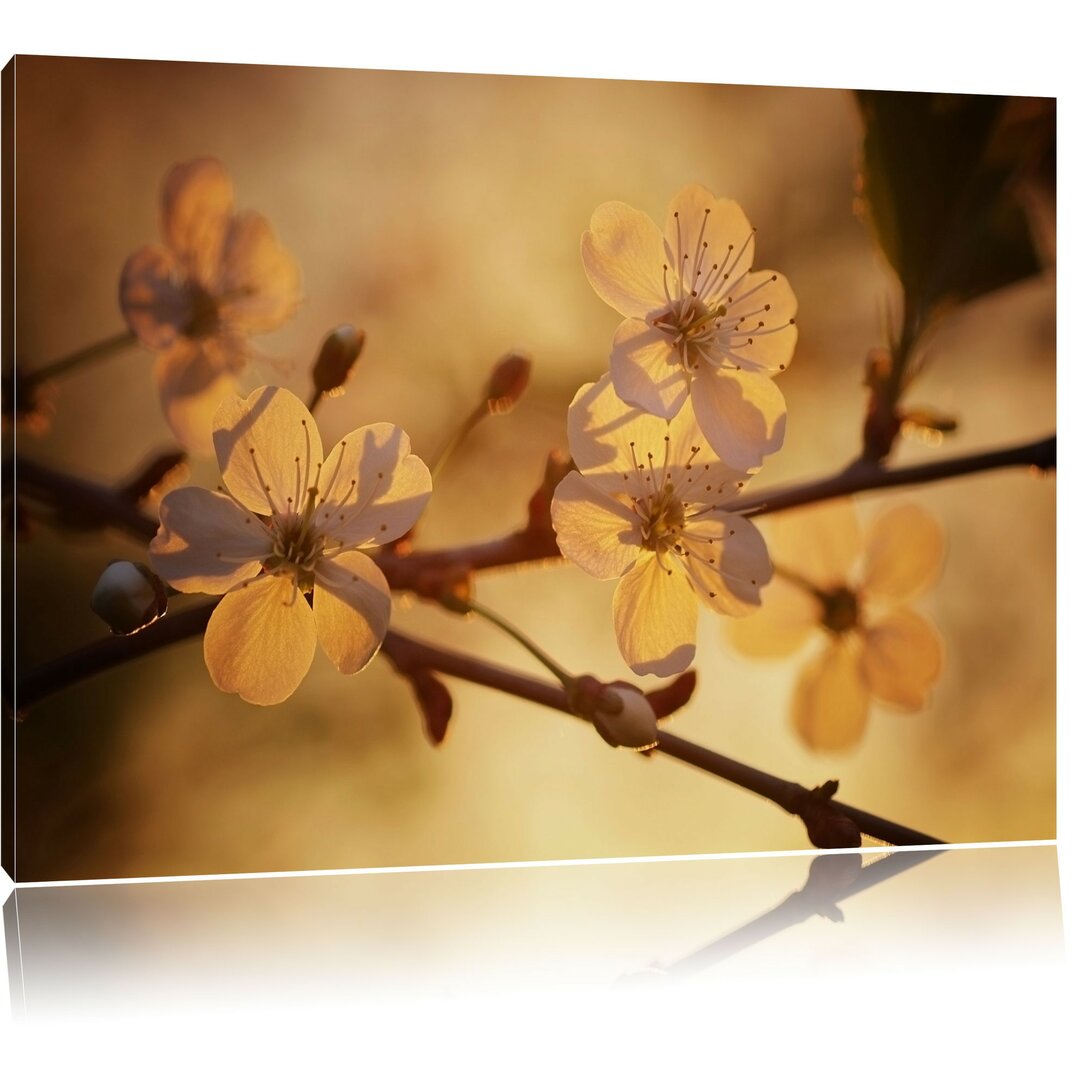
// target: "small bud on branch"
[[339, 352], [128, 597], [509, 380]]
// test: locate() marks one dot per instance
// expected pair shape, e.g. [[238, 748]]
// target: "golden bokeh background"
[[443, 213]]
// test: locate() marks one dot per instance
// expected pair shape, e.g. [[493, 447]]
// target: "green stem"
[[557, 670], [87, 355], [459, 437]]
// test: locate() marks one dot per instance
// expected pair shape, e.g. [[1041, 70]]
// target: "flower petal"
[[787, 616], [759, 332], [742, 415], [904, 551], [727, 561], [373, 487], [154, 299], [268, 448], [593, 530], [831, 702], [646, 371], [722, 225], [194, 378], [820, 544], [623, 254], [902, 659], [352, 609], [196, 205], [260, 281], [260, 640], [206, 543], [655, 615]]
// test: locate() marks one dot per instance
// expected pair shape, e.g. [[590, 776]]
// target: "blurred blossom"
[[219, 278], [698, 321], [288, 524], [641, 508], [855, 590]]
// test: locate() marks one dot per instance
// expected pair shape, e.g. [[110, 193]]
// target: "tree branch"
[[427, 572], [826, 820], [868, 476]]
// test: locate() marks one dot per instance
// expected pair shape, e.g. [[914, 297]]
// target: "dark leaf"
[[938, 179]]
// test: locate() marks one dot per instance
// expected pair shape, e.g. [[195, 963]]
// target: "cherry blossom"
[[645, 507], [698, 321], [218, 278], [855, 592], [289, 523]]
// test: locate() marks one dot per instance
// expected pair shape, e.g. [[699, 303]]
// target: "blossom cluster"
[[685, 416], [662, 443]]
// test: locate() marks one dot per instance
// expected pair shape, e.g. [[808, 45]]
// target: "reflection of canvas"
[[328, 370]]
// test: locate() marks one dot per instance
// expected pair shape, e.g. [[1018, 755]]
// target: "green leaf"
[[938, 178]]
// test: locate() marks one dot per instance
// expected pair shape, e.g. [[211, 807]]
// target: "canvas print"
[[423, 469]]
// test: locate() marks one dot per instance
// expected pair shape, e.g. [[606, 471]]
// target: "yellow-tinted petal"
[[374, 487], [623, 256], [820, 544], [154, 298], [727, 562], [352, 609], [260, 640], [742, 415], [787, 615], [762, 307], [196, 205], [268, 448], [902, 659], [646, 371], [904, 552], [260, 281], [831, 702], [194, 378], [593, 530], [206, 543], [727, 233], [655, 615]]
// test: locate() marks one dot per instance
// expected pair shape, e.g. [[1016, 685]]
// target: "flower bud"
[[509, 380], [339, 352], [634, 725], [128, 597]]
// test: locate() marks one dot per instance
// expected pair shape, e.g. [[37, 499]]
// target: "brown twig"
[[78, 358], [427, 572], [823, 817]]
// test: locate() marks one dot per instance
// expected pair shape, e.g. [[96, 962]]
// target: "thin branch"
[[408, 654], [427, 572], [78, 358], [867, 476]]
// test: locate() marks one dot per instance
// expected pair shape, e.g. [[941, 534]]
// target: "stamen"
[[262, 481]]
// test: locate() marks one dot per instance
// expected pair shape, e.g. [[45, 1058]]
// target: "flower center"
[[664, 520], [298, 545], [839, 610], [204, 318]]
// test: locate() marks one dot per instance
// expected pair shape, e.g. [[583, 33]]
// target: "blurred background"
[[442, 213]]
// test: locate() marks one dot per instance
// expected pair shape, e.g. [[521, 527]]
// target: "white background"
[[972, 1021]]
